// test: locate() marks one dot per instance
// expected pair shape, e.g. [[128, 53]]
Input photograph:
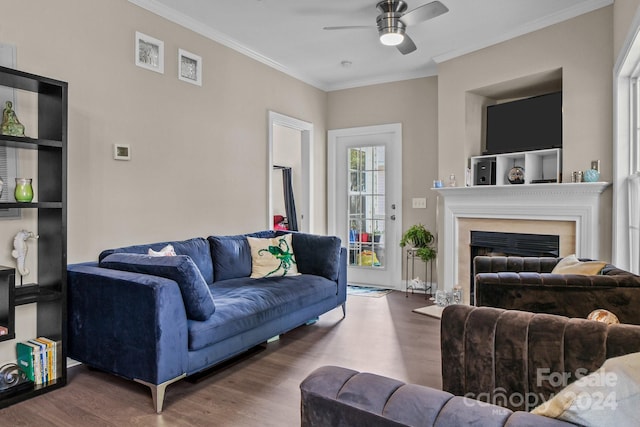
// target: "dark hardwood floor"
[[380, 335]]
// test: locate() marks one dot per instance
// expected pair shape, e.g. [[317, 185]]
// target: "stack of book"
[[38, 358]]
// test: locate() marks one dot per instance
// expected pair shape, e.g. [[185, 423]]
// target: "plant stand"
[[412, 255]]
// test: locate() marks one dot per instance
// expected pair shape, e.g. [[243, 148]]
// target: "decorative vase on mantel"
[[593, 174]]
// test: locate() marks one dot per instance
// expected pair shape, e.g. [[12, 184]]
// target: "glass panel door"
[[364, 203], [366, 207]]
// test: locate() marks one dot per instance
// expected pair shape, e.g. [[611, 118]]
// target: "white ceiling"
[[288, 34]]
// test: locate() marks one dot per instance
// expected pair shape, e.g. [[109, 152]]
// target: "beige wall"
[[199, 154], [582, 49], [623, 13], [414, 104]]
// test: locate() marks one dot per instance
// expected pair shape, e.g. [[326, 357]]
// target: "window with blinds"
[[8, 169]]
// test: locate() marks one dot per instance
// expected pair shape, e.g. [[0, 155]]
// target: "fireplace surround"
[[572, 211]]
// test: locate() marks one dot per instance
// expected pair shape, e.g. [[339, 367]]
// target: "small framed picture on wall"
[[189, 67], [149, 53]]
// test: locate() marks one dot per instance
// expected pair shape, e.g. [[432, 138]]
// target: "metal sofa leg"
[[157, 391], [344, 310]]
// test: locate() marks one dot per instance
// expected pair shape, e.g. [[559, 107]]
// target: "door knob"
[[392, 217]]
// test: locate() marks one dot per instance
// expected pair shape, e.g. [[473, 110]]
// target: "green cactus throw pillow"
[[272, 257]]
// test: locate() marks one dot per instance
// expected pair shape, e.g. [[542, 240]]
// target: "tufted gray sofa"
[[490, 357], [526, 283]]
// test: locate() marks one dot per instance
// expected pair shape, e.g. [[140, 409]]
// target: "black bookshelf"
[[49, 292]]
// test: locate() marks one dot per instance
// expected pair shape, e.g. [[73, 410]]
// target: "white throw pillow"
[[166, 251], [609, 396], [272, 257]]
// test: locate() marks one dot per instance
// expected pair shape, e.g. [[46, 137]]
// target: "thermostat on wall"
[[121, 152]]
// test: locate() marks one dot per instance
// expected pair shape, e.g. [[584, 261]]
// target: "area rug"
[[430, 310], [367, 291]]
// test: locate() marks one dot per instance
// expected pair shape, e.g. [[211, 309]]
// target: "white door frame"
[[304, 200], [394, 264]]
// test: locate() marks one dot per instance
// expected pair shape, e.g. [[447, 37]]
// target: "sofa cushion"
[[197, 298], [243, 304], [272, 257], [308, 246], [196, 248], [608, 396], [572, 265], [231, 255]]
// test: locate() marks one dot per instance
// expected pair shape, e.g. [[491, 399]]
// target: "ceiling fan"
[[394, 20]]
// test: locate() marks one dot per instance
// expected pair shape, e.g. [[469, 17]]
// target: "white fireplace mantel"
[[575, 202]]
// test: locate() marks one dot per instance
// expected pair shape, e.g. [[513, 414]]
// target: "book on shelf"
[[51, 357], [39, 359], [25, 359]]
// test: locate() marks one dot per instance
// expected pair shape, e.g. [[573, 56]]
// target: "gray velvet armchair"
[[496, 365], [526, 283]]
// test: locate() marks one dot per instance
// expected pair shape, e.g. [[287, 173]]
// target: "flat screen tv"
[[524, 125]]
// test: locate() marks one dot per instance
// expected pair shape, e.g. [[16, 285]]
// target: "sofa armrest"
[[334, 396], [133, 325], [500, 354]]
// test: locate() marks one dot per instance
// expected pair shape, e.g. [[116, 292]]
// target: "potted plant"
[[422, 240]]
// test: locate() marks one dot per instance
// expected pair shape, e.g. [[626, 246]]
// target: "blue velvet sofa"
[[156, 320]]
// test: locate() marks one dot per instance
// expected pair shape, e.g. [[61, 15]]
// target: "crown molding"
[[538, 24], [428, 72]]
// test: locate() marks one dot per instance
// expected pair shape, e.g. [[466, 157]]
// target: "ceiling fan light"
[[391, 38]]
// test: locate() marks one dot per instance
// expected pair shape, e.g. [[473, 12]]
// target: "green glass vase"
[[24, 190]]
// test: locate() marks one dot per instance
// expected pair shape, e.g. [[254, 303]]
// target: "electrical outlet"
[[419, 202]]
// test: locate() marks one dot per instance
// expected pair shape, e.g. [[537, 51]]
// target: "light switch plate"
[[121, 152], [419, 202]]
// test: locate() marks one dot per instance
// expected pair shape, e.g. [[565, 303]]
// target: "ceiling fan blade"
[[423, 13], [351, 27], [407, 45]]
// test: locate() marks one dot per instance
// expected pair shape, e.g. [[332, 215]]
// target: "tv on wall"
[[524, 125]]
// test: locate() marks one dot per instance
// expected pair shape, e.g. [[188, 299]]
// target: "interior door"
[[365, 190]]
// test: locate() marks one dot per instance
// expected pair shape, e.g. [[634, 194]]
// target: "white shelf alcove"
[[577, 203]]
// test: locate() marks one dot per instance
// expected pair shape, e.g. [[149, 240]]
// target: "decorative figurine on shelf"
[[10, 123], [20, 249]]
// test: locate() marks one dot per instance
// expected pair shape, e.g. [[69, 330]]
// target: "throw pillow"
[[166, 251], [318, 255], [604, 316], [272, 257], [609, 396], [198, 301], [572, 265]]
